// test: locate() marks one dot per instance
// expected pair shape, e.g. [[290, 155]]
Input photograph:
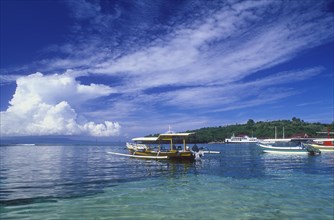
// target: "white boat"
[[299, 149], [241, 140]]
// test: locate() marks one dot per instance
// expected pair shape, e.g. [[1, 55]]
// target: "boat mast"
[[283, 133], [275, 132]]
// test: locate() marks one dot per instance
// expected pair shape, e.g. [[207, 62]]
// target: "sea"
[[62, 181]]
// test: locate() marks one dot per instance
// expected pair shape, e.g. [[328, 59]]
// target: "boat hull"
[[283, 150], [137, 156], [173, 155]]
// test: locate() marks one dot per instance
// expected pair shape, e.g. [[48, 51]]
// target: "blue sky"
[[125, 68]]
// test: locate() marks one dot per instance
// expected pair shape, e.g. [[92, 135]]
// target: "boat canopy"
[[146, 139], [173, 135], [167, 136]]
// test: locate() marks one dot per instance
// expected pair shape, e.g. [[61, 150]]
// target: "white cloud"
[[106, 129], [42, 105]]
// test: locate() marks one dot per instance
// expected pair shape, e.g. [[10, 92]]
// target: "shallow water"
[[84, 182]]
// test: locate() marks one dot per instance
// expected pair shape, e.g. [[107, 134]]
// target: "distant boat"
[[241, 140], [325, 144], [299, 149]]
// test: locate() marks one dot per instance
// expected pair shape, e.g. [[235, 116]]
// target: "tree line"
[[260, 130]]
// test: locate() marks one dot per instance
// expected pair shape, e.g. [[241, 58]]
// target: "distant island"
[[262, 129]]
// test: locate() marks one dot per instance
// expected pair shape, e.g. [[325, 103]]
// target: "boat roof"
[[162, 137], [145, 139]]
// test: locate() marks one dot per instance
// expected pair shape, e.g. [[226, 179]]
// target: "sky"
[[121, 69]]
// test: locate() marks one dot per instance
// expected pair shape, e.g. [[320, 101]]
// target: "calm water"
[[84, 182]]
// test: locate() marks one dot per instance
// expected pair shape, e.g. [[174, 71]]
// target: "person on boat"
[[195, 148]]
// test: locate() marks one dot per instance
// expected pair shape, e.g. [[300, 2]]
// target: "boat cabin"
[[170, 138]]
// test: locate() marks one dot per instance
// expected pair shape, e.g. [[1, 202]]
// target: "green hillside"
[[260, 130]]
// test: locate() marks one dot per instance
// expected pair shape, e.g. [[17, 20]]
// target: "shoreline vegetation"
[[295, 128]]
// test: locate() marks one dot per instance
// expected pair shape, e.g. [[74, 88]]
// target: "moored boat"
[[299, 149], [163, 147], [324, 144]]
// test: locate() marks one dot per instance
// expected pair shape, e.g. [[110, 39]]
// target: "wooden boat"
[[299, 149], [325, 144], [164, 147], [161, 147]]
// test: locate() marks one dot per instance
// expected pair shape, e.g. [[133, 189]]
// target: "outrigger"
[[154, 148]]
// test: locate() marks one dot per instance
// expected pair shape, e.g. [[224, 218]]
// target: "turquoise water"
[[84, 182]]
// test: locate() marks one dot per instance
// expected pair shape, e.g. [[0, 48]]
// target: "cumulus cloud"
[[43, 105]]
